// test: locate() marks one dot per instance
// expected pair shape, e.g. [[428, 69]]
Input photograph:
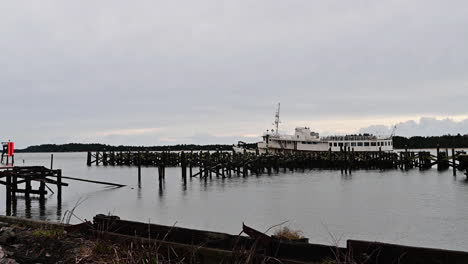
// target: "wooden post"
[[8, 194], [97, 158], [139, 168], [191, 164], [159, 174], [27, 188], [88, 159], [438, 158], [42, 188], [163, 166], [14, 187], [104, 158], [341, 161], [406, 157], [454, 166], [380, 158], [160, 177], [183, 165], [42, 207], [112, 158], [51, 161], [345, 159], [27, 207], [59, 185]]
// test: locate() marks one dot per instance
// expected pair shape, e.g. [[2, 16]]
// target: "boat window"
[[334, 144], [347, 144], [366, 144], [359, 144], [340, 144], [373, 144], [389, 143], [331, 144], [353, 144]]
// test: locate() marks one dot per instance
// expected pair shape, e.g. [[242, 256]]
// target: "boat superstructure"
[[304, 139]]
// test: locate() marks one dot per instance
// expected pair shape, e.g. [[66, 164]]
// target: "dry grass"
[[57, 233], [101, 251], [287, 233]]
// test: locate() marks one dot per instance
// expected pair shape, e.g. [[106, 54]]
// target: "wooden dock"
[[18, 180], [228, 164]]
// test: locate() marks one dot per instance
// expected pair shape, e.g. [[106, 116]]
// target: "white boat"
[[305, 140]]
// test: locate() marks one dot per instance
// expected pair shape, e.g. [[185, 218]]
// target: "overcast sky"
[[211, 71]]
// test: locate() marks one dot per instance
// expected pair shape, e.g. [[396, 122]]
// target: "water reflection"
[[25, 206], [161, 188], [139, 193]]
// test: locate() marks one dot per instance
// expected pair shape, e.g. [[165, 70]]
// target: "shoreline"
[[109, 239]]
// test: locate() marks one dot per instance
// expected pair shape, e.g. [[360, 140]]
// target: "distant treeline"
[[448, 141], [78, 147]]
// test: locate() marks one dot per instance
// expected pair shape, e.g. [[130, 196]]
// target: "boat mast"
[[277, 119]]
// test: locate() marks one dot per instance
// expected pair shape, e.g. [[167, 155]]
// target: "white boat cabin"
[[306, 140]]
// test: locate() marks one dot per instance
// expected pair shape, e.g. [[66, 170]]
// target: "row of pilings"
[[226, 164]]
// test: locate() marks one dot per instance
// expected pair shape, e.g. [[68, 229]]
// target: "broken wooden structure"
[[19, 180], [227, 164]]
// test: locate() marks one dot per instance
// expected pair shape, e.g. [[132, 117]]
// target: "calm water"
[[428, 208]]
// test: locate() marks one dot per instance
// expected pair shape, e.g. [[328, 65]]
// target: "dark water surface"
[[421, 208]]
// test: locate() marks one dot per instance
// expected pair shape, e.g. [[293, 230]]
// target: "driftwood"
[[92, 181], [261, 238]]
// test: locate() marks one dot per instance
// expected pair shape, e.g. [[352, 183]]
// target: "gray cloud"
[[426, 126], [71, 69]]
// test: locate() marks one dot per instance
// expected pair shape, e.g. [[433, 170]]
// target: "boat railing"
[[355, 138]]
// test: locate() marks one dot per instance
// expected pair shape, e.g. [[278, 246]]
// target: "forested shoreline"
[[447, 141]]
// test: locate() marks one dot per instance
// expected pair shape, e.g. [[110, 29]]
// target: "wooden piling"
[[104, 158], [28, 188], [59, 185], [454, 167], [8, 195], [223, 164], [42, 190], [97, 158], [341, 163], [14, 187], [183, 165], [88, 159]]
